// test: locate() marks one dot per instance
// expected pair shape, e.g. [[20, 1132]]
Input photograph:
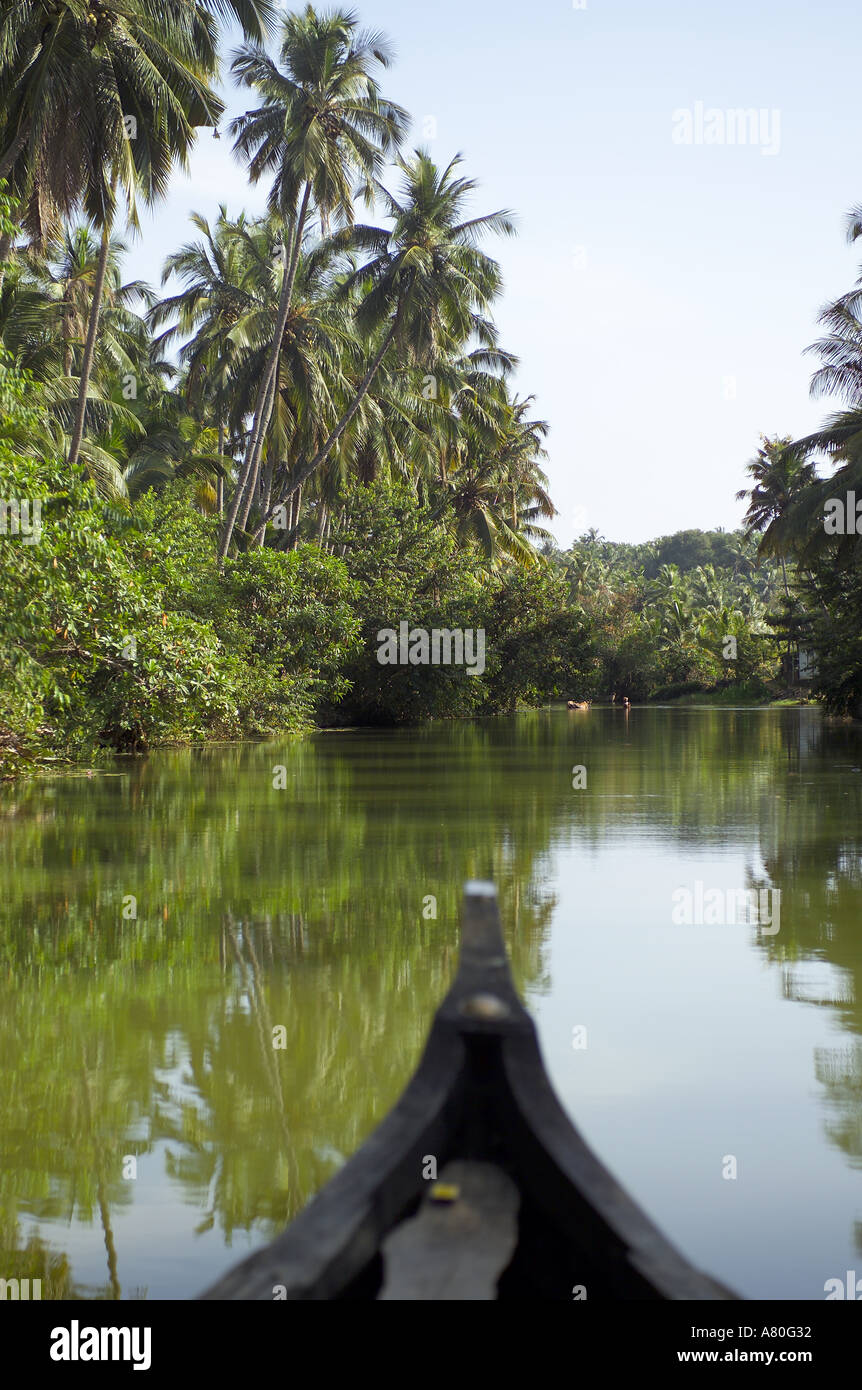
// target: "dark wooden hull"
[[480, 1094]]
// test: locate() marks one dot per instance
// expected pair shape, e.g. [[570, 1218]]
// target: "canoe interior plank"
[[458, 1247]]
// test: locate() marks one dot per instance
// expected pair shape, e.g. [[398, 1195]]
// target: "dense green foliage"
[[309, 437], [802, 502], [664, 629]]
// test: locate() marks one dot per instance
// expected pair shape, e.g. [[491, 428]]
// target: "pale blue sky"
[[659, 295]]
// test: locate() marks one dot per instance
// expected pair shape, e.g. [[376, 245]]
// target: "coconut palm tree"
[[780, 473], [492, 484], [519, 450], [44, 321], [174, 446], [840, 349], [157, 67], [318, 347], [99, 100], [839, 440], [427, 284], [57, 87], [228, 304], [784, 480], [216, 292], [321, 124], [44, 434]]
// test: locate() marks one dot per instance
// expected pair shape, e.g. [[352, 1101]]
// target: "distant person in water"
[[627, 704]]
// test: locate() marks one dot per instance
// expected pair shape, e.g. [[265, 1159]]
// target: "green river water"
[[306, 905]]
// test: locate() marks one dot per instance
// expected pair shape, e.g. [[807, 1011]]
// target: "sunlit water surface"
[[158, 922]]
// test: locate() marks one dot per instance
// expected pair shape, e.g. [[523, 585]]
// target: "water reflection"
[[160, 924]]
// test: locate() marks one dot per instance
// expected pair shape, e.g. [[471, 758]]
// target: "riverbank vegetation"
[[216, 493], [683, 615], [803, 502]]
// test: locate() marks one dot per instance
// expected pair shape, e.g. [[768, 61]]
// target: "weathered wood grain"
[[455, 1249]]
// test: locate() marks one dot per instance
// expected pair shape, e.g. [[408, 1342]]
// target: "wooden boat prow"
[[521, 1206]]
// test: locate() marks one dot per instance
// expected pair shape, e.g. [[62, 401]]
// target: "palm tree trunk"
[[251, 485], [255, 439], [220, 482], [110, 1247], [90, 345], [296, 509], [67, 343], [789, 638], [305, 470], [265, 494], [104, 1209]]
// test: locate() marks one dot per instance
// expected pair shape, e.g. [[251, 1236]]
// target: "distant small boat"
[[476, 1186]]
